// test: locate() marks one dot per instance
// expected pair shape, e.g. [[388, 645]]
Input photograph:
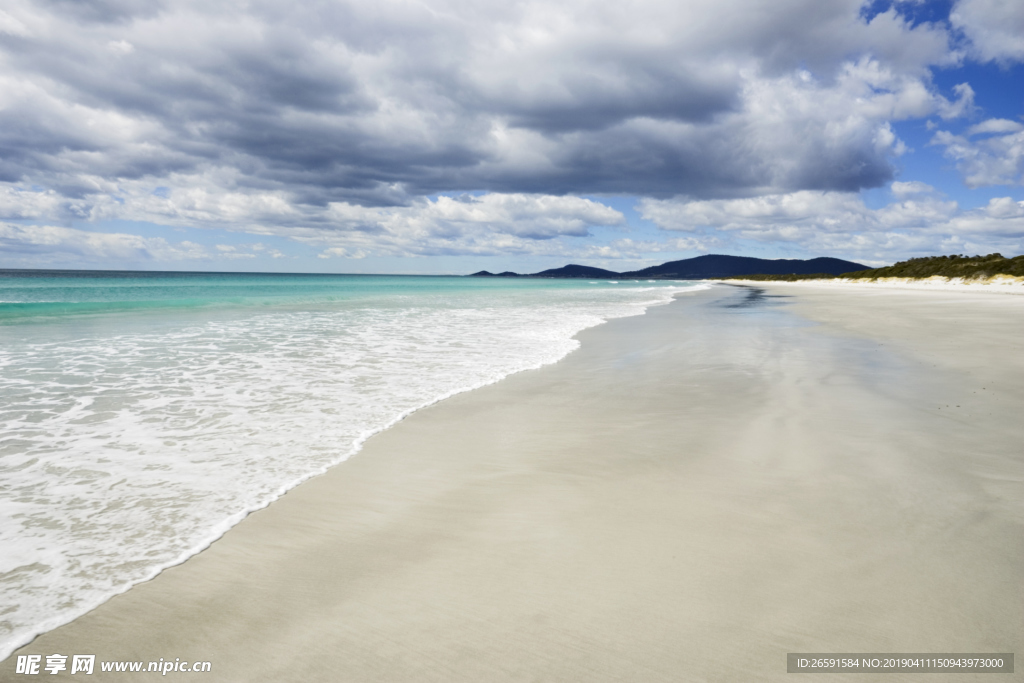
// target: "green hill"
[[970, 267]]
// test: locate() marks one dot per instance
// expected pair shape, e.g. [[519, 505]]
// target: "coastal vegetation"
[[968, 267], [954, 266]]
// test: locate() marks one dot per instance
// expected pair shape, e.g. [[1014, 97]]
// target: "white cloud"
[[122, 47], [995, 126], [994, 27], [42, 243], [260, 248], [462, 224], [1004, 207], [530, 216], [905, 189], [334, 124], [995, 160], [841, 223], [232, 252], [11, 26], [962, 106], [379, 103], [629, 248], [18, 203], [487, 224]]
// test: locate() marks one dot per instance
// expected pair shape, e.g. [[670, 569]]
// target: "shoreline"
[[224, 526], [999, 284], [632, 510]]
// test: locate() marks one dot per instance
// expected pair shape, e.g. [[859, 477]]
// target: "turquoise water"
[[143, 414], [26, 294]]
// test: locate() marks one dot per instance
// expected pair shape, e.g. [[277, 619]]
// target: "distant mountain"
[[717, 265], [573, 270], [703, 268]]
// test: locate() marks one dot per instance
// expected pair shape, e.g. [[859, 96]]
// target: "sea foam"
[[132, 440]]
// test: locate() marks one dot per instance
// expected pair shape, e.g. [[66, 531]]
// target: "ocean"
[[143, 414]]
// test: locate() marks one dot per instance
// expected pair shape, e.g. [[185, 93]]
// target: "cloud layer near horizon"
[[333, 122], [834, 222]]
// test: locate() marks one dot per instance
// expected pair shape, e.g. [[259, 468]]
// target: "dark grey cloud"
[[378, 103]]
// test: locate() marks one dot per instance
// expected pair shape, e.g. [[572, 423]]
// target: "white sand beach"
[[998, 284], [694, 493]]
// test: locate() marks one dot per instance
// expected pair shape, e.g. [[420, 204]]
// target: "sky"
[[449, 136]]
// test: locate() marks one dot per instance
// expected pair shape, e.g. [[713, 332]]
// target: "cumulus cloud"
[[995, 28], [466, 223], [912, 187], [375, 104], [40, 244], [963, 105], [995, 126], [797, 214], [487, 224], [997, 159], [395, 128], [834, 222], [630, 248], [18, 203]]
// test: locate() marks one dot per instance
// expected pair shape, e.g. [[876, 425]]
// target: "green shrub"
[[969, 267]]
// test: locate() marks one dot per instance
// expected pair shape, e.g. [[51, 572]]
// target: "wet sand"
[[692, 494]]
